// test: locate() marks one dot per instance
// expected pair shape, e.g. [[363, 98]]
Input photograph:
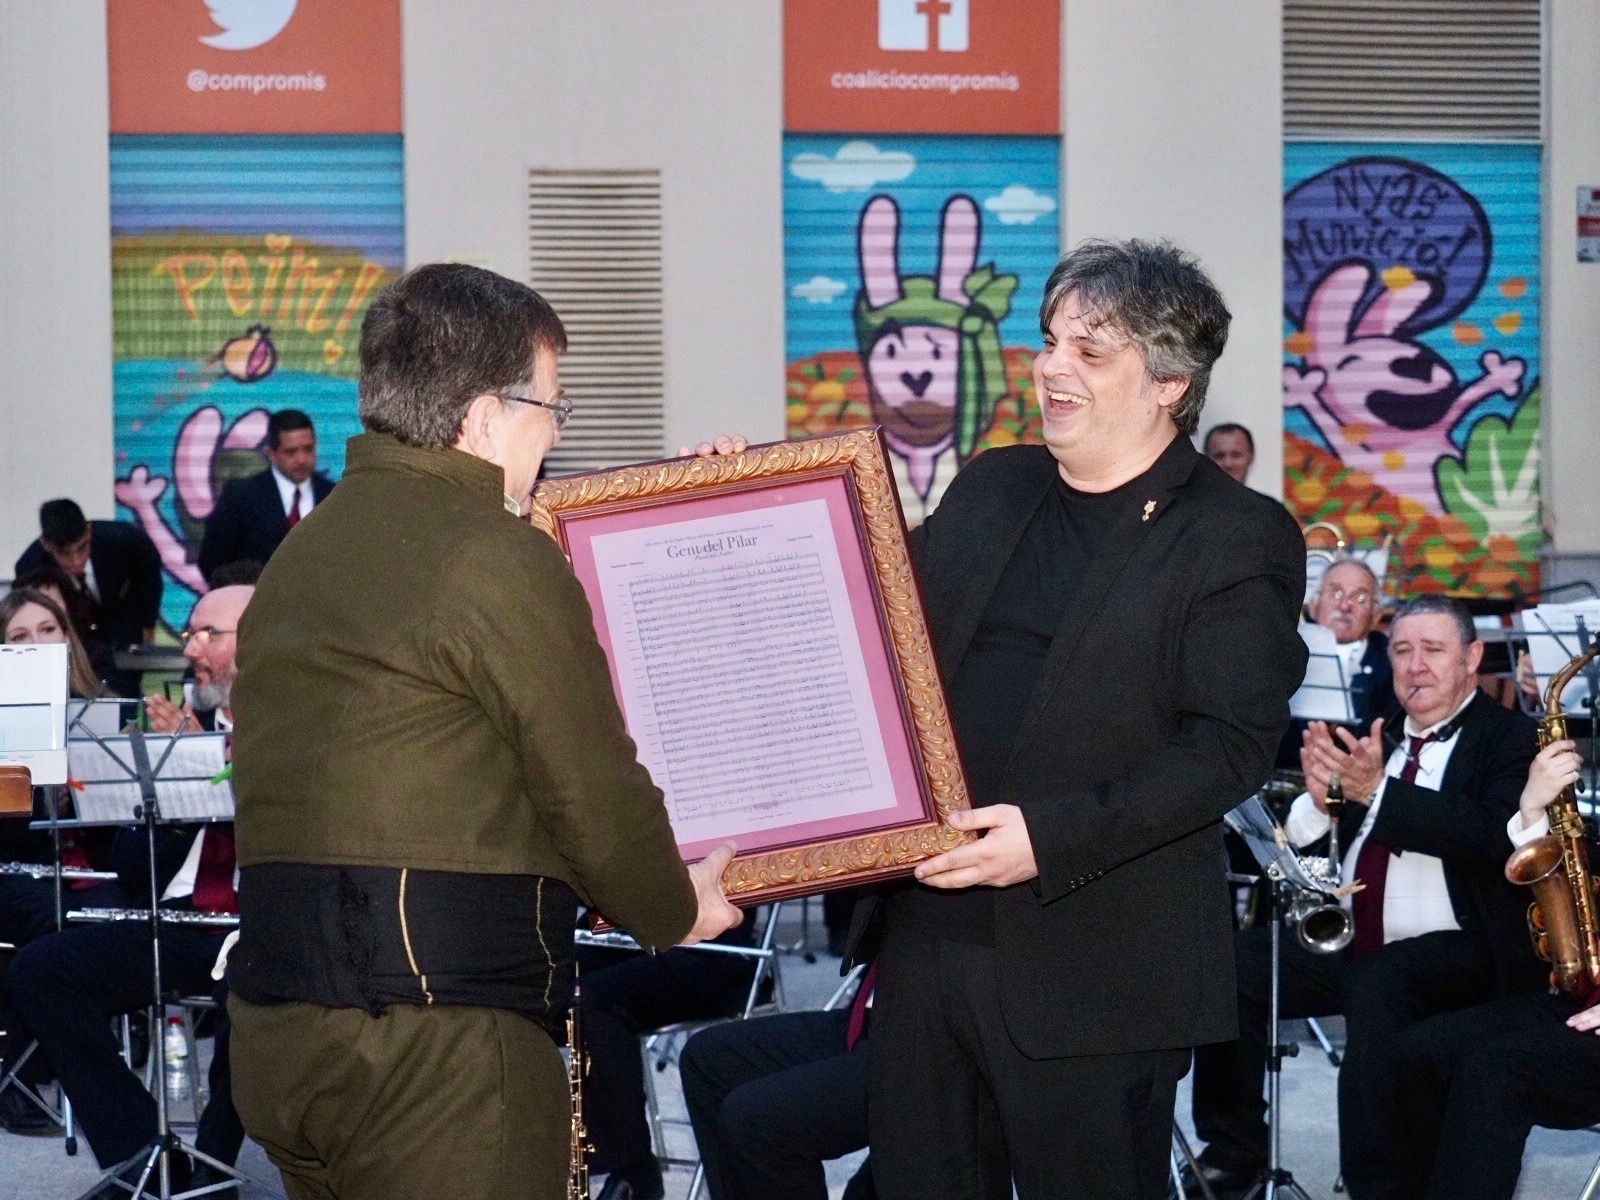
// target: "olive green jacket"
[[420, 686]]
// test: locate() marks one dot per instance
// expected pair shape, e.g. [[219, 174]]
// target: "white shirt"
[[287, 489], [1352, 653], [89, 584], [182, 885], [1415, 898]]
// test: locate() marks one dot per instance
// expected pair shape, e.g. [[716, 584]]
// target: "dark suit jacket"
[[127, 573], [1161, 703], [1464, 825], [248, 521], [1373, 690]]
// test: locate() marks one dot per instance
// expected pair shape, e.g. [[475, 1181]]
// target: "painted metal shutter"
[[1466, 70], [594, 251]]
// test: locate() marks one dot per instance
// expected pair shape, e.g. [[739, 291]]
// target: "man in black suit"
[[117, 572], [254, 514], [1473, 1084], [1347, 606], [1437, 926], [1114, 620]]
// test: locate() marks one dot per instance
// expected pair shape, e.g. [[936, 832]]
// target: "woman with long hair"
[[27, 616]]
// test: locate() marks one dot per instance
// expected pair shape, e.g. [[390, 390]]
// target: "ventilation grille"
[[594, 251], [1399, 69]]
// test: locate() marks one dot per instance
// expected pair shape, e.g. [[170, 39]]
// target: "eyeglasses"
[[562, 407], [1338, 595], [202, 637]]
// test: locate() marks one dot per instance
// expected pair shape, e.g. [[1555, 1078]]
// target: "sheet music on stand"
[[1556, 634], [1261, 832], [188, 772], [33, 710], [1324, 694]]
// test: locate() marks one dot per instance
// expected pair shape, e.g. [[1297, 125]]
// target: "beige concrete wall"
[[1175, 129], [692, 87], [55, 265], [1571, 350]]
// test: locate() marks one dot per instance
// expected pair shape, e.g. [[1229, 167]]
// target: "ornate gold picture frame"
[[768, 646]]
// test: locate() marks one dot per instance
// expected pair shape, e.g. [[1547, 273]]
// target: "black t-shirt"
[[996, 681]]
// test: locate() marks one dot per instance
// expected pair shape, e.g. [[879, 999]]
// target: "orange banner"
[[254, 66], [922, 66]]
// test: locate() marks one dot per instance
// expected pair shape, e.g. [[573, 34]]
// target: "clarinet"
[[577, 1068]]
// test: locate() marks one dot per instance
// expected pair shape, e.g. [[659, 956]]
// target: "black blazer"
[[127, 574], [1463, 824], [1161, 703], [249, 522]]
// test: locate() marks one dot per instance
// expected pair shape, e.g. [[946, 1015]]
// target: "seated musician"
[[1347, 606], [65, 985], [1471, 1085], [1437, 927], [625, 995], [774, 1098], [28, 902]]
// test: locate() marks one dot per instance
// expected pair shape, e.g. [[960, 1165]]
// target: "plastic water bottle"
[[175, 1049]]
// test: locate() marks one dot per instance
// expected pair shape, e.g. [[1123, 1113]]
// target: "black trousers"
[[1473, 1084], [28, 913], [1381, 996], [771, 1100], [624, 996], [957, 1112], [65, 986]]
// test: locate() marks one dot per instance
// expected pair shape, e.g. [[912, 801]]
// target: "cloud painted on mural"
[[854, 167], [1019, 205], [819, 289], [1411, 302], [231, 300], [946, 268]]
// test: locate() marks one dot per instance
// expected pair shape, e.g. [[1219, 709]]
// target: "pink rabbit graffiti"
[[199, 442], [911, 365], [930, 346], [1383, 403]]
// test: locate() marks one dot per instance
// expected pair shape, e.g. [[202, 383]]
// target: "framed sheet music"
[[768, 649]]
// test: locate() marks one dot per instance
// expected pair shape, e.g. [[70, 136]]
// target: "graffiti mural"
[[915, 268], [241, 270], [1410, 385]]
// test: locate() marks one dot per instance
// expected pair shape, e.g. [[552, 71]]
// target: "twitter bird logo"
[[247, 24]]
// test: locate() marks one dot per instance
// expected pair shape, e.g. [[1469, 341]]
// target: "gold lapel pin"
[[1149, 507]]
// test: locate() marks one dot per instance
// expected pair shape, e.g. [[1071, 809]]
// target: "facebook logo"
[[908, 24]]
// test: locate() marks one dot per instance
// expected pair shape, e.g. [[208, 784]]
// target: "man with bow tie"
[[1437, 926]]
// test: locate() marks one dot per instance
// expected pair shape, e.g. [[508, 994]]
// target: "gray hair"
[[1156, 297], [1349, 560], [1447, 606], [442, 335]]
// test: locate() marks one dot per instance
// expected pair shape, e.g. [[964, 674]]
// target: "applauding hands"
[[1327, 751]]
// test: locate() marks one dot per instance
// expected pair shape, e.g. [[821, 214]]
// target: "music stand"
[[1261, 832], [116, 781], [1558, 633], [1324, 694]]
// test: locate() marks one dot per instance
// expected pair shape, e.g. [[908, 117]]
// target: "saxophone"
[[578, 1144], [1563, 918]]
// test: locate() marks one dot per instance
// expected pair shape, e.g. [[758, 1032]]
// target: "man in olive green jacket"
[[432, 775]]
